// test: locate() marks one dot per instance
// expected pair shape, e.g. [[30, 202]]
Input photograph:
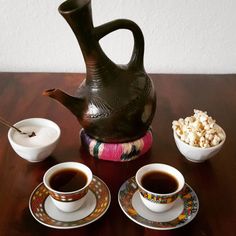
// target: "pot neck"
[[78, 14]]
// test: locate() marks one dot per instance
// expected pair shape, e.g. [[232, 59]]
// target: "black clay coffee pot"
[[114, 103]]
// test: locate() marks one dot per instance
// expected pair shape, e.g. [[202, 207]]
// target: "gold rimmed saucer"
[[46, 213], [184, 210]]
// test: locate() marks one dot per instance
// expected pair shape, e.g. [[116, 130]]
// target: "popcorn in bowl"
[[199, 130], [198, 137]]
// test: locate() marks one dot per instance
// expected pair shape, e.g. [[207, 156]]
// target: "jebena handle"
[[136, 60]]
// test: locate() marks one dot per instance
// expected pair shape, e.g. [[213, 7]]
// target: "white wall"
[[181, 36]]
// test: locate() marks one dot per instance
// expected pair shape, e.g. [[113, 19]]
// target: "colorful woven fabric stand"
[[117, 151]]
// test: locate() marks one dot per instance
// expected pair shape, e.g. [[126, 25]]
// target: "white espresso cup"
[[159, 186], [68, 185]]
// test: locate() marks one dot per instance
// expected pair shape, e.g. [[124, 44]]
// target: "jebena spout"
[[74, 104]]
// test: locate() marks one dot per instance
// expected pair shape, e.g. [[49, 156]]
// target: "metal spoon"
[[6, 123]]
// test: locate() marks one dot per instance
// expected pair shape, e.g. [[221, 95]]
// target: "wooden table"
[[177, 96]]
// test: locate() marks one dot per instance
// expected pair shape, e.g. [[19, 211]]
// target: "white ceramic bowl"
[[39, 147], [197, 154]]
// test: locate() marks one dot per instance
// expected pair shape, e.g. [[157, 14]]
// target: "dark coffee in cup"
[[68, 184], [159, 182], [159, 186], [68, 180]]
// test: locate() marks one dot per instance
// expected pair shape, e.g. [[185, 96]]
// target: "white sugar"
[[44, 136]]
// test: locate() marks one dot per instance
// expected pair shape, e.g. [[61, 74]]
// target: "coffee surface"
[[159, 182], [68, 180]]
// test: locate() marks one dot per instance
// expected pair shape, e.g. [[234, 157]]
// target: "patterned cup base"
[[117, 151], [68, 197], [155, 198]]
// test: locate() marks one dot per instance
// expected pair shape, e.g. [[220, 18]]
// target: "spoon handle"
[[4, 122]]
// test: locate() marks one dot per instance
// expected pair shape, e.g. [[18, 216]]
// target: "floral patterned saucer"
[[46, 213], [184, 210]]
